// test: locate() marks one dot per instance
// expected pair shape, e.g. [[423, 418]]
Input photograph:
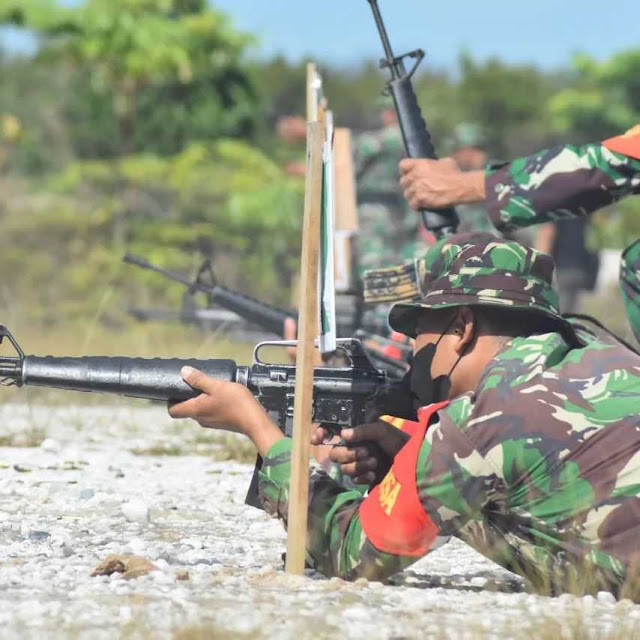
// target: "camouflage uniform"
[[389, 229], [559, 183], [538, 468], [568, 182]]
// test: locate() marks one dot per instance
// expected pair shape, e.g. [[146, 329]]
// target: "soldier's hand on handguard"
[[369, 451], [436, 184], [228, 406]]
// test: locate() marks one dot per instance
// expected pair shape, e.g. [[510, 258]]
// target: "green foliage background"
[[143, 126]]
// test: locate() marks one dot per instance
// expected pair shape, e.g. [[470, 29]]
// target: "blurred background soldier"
[[389, 229], [467, 149]]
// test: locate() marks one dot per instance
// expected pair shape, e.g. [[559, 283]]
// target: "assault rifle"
[[415, 134], [272, 318], [268, 317], [347, 395], [344, 396]]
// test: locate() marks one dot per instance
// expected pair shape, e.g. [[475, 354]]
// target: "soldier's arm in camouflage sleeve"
[[561, 182], [337, 544]]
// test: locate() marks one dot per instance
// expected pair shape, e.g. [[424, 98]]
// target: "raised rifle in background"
[[415, 134]]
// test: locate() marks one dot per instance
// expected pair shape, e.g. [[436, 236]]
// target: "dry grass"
[[211, 632], [147, 340], [160, 449], [574, 625], [233, 447], [219, 446]]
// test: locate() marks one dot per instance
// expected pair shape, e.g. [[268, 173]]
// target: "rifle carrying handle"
[[418, 143]]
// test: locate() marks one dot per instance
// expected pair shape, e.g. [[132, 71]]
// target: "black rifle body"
[[415, 133], [343, 396], [268, 317]]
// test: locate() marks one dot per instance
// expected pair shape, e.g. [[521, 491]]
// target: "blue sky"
[[545, 32]]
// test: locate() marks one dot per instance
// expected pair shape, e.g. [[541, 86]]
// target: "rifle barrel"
[[383, 31]]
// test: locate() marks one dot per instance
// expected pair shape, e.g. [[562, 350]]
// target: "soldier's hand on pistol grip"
[[437, 184], [369, 451]]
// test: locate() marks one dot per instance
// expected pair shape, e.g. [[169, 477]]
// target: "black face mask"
[[424, 388]]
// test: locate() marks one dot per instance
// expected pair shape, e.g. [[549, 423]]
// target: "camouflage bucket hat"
[[478, 269]]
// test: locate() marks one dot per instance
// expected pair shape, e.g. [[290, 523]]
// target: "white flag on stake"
[[328, 332]]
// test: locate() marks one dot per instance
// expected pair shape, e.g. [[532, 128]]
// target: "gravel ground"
[[93, 488]]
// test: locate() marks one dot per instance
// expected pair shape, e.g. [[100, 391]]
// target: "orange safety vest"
[[627, 144], [392, 516], [392, 351]]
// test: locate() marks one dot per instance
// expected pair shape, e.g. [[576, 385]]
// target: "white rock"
[[136, 511], [566, 598], [192, 542], [125, 614], [50, 446], [137, 546], [162, 577], [606, 598], [162, 564], [478, 581]]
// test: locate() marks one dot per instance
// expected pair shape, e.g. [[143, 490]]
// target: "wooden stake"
[[346, 211], [307, 333]]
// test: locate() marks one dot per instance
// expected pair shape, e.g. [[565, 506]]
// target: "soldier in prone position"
[[527, 445]]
